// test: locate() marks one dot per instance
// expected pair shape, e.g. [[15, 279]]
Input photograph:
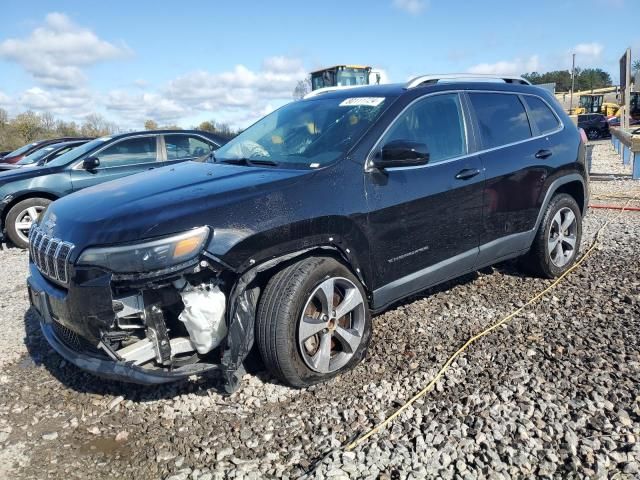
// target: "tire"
[[22, 213], [281, 329], [545, 260], [593, 134]]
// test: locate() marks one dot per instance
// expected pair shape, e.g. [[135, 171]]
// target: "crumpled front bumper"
[[82, 353]]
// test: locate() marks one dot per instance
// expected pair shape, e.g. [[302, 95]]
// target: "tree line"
[[30, 126], [585, 79]]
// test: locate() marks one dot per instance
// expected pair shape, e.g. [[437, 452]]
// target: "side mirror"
[[91, 163], [401, 153]]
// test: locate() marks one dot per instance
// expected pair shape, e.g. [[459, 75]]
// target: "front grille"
[[50, 255], [74, 341]]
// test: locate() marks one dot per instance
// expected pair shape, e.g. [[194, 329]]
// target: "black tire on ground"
[[12, 215], [538, 260], [279, 317], [593, 133]]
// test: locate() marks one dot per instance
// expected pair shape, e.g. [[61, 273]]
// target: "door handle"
[[467, 173], [151, 168], [544, 154]]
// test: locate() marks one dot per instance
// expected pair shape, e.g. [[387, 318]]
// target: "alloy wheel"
[[562, 237], [331, 326], [25, 219]]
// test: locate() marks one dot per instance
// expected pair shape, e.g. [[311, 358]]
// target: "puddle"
[[104, 445]]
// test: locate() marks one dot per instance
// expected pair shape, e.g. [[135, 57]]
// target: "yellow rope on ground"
[[484, 333]]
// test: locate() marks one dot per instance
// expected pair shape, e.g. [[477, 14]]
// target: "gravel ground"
[[607, 160], [554, 393]]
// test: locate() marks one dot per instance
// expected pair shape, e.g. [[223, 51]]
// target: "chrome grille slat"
[[51, 255]]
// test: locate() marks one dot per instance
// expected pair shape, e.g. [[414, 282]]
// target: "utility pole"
[[573, 83]]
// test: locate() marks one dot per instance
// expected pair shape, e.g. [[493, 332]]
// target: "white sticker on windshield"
[[365, 101]]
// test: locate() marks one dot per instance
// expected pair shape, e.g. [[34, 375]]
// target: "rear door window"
[[501, 117], [541, 115], [129, 152], [181, 147], [436, 121]]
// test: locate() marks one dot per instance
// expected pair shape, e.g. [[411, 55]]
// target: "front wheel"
[[557, 242], [313, 322], [20, 218]]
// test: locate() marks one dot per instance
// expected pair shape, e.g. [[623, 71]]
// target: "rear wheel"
[[557, 242], [593, 133], [313, 322], [20, 218]]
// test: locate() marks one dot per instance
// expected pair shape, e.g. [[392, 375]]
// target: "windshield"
[[308, 133], [77, 152], [21, 150], [353, 76], [35, 156]]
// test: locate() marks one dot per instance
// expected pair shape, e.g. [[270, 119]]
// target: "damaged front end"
[[146, 313]]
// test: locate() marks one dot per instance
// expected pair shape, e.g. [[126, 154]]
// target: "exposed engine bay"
[[182, 325]]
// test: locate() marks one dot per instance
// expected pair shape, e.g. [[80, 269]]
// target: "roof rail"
[[424, 80], [322, 90]]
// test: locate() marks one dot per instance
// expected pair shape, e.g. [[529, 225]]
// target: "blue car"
[[26, 192]]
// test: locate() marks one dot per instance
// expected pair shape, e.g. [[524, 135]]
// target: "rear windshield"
[[35, 156], [306, 133], [22, 149]]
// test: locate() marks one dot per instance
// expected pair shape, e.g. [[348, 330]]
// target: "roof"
[[397, 89], [212, 136], [336, 66]]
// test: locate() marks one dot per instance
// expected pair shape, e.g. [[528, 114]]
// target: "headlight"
[[148, 256]]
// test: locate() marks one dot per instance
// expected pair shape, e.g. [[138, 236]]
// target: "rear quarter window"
[[502, 118], [541, 115]]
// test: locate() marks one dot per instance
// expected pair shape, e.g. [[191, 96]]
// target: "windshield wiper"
[[247, 161]]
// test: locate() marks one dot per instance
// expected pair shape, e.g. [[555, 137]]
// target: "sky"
[[234, 61]]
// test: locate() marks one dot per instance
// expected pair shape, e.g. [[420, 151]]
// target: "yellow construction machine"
[[594, 103], [344, 76]]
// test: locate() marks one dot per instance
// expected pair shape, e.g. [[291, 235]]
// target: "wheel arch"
[[25, 196], [576, 190], [572, 184]]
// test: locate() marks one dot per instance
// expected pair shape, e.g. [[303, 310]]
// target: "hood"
[[164, 201], [9, 173], [8, 166]]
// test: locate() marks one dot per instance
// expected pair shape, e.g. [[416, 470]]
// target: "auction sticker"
[[365, 101]]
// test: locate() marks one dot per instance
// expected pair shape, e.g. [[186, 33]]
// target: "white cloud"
[[516, 66], [592, 51], [137, 108], [5, 100], [414, 7], [55, 53], [74, 103], [240, 88]]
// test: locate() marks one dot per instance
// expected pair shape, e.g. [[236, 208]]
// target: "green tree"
[[150, 125], [302, 88], [28, 126], [207, 126], [636, 66], [97, 126], [591, 78]]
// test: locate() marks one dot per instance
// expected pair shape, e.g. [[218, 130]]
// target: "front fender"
[[240, 249]]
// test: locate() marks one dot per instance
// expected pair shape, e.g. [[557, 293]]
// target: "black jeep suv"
[[326, 211]]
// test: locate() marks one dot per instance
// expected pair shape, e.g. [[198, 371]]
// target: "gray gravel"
[[555, 393]]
